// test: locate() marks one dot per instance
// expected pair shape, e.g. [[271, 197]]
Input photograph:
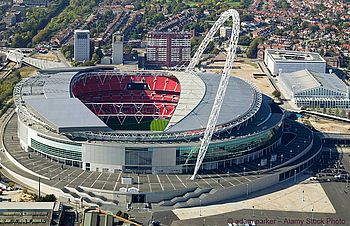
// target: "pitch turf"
[[158, 124]]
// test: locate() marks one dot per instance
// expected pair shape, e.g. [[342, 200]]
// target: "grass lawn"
[[27, 71]]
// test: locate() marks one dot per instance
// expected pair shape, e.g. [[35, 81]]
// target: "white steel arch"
[[16, 56], [224, 79]]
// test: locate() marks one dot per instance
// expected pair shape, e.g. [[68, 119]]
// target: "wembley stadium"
[[105, 136], [142, 121]]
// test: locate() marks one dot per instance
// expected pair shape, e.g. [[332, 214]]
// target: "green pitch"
[[159, 124]]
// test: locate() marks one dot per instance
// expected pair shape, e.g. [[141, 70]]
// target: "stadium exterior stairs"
[[89, 198], [189, 195]]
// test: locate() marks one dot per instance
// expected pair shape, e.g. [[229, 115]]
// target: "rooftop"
[[294, 56], [305, 79], [26, 206]]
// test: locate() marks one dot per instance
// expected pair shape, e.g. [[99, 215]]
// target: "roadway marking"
[[233, 177], [204, 180], [180, 180], [59, 173], [33, 163], [76, 178], [138, 182], [96, 180], [215, 180], [36, 168], [170, 181], [64, 178], [160, 182], [106, 181], [116, 183], [225, 179], [149, 183], [45, 168], [86, 178]]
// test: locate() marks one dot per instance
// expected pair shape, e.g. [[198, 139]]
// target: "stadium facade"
[[104, 120]]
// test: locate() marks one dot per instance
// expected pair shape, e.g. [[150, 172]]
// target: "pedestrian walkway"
[[307, 196]]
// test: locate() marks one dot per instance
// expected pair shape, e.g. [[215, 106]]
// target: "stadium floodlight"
[[209, 131]]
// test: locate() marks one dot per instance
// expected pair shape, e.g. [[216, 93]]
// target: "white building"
[[82, 45], [285, 61], [225, 32], [316, 90], [117, 48]]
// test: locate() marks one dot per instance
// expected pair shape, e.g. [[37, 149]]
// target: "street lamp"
[[243, 171], [295, 176], [303, 196], [200, 207], [253, 212]]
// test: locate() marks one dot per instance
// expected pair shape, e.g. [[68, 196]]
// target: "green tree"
[[47, 198], [276, 94], [252, 50], [95, 58], [337, 112], [244, 40]]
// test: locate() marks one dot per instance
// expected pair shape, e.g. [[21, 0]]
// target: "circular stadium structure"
[[105, 120], [108, 137]]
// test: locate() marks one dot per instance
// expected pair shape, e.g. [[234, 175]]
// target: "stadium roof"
[[239, 101], [293, 56], [65, 115], [48, 96], [305, 80], [192, 92]]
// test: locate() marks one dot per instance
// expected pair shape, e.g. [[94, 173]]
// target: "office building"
[[82, 45]]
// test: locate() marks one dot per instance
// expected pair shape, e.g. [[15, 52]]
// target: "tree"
[[95, 58], [343, 113], [276, 94], [337, 112], [244, 40], [47, 198], [253, 48], [11, 184], [247, 17]]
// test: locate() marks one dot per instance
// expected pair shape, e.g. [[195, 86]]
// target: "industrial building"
[[82, 45], [168, 49], [285, 61], [313, 89]]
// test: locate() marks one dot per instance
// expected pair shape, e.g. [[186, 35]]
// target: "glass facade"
[[54, 151], [225, 150], [138, 156]]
